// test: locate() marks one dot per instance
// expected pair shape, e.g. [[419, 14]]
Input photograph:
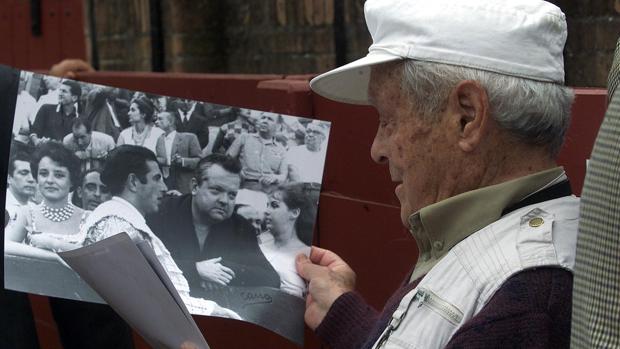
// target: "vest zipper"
[[427, 298], [423, 297]]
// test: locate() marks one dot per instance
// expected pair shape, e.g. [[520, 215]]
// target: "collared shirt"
[[96, 152], [308, 163], [12, 206], [169, 140], [469, 212], [51, 122], [259, 156]]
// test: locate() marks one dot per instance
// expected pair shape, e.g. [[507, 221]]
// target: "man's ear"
[[469, 103], [132, 183]]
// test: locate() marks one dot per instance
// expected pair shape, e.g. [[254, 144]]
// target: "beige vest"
[[463, 281]]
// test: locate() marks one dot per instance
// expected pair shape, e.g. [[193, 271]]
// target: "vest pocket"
[[427, 298], [422, 320]]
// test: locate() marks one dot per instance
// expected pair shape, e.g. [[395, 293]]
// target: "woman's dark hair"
[[122, 161], [60, 155], [146, 107], [305, 197]]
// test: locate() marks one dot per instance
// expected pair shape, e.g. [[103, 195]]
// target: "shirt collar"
[[271, 140], [436, 234], [126, 210], [11, 200]]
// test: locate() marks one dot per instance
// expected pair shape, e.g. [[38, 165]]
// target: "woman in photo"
[[142, 131], [54, 224], [290, 215]]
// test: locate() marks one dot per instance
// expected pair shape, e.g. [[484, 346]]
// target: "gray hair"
[[533, 111]]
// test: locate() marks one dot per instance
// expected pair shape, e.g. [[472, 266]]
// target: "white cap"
[[523, 38]]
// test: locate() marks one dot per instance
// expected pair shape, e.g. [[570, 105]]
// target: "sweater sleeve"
[[348, 322], [531, 310]]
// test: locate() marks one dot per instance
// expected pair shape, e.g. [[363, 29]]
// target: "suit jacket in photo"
[[197, 124], [233, 239], [179, 177]]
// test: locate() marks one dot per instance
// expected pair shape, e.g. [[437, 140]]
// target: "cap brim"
[[349, 83]]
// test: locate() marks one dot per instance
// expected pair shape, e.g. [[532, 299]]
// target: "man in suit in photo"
[[177, 153], [191, 120], [211, 245]]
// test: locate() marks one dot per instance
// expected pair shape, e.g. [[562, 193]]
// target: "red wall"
[[62, 33], [358, 215]]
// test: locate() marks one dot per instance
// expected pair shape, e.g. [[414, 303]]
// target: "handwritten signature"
[[255, 298]]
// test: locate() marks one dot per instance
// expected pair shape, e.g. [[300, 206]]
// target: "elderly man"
[[262, 158], [472, 111], [91, 147], [178, 154], [210, 244], [307, 160], [54, 121]]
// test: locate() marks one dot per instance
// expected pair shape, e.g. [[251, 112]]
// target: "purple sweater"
[[532, 309]]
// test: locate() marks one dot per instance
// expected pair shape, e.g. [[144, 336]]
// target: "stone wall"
[[298, 36]]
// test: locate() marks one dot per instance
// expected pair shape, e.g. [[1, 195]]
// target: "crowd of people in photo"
[[225, 196]]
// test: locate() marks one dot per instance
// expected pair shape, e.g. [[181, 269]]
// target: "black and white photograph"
[[225, 196]]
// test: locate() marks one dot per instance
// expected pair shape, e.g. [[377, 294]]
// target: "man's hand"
[[268, 179], [82, 155], [329, 277], [69, 67], [212, 270]]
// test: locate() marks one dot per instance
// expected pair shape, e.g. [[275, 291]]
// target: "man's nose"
[[378, 150]]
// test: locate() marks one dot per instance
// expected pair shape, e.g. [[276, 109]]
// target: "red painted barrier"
[[358, 213], [62, 33]]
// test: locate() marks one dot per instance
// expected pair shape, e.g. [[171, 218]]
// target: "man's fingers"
[[323, 257], [227, 270], [306, 268]]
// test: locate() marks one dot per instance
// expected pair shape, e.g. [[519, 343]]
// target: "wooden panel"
[[72, 39], [51, 39], [6, 32], [587, 116], [21, 34]]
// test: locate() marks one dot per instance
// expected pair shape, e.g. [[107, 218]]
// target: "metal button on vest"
[[536, 222], [438, 245]]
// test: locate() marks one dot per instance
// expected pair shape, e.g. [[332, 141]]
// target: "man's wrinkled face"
[[315, 135], [81, 137], [409, 145], [164, 121], [21, 180], [215, 196], [93, 192], [268, 123]]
